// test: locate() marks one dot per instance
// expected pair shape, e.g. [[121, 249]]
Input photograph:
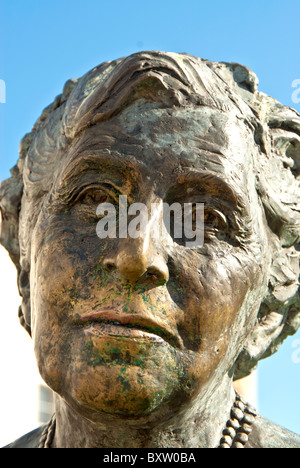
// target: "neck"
[[201, 426]]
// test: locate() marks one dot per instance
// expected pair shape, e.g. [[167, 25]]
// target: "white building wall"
[[20, 380]]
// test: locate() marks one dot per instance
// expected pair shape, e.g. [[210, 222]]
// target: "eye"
[[215, 223], [92, 196], [87, 201], [195, 217], [214, 219]]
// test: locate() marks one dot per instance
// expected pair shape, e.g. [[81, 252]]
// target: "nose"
[[134, 262], [143, 257]]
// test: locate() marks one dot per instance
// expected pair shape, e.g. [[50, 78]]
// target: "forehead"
[[161, 138]]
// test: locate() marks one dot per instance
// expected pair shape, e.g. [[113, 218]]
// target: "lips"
[[116, 317]]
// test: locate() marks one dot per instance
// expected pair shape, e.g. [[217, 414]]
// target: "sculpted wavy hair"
[[169, 80]]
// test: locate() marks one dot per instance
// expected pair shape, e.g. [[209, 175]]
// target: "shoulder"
[[266, 434], [29, 440]]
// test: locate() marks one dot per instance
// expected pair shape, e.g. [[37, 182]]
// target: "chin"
[[124, 391]]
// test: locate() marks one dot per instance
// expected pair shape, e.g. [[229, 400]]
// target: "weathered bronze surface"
[[141, 338]]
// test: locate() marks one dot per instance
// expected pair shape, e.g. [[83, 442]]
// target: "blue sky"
[[43, 43]]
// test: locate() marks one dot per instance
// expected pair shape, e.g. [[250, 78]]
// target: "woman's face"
[[143, 327]]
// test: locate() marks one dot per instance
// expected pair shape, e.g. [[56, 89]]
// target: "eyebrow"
[[91, 158], [106, 164], [213, 185], [226, 195]]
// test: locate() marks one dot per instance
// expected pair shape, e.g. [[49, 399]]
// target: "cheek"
[[51, 304], [58, 263], [65, 260], [218, 302]]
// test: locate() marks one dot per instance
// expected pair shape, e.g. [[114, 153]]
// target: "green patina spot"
[[102, 274], [124, 381], [93, 356], [99, 303], [140, 287], [112, 355], [128, 289]]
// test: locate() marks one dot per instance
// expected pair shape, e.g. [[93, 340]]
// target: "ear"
[[263, 341], [278, 316]]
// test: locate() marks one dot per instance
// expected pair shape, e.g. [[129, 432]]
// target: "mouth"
[[121, 322]]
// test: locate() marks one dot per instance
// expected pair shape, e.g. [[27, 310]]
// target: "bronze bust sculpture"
[[141, 338]]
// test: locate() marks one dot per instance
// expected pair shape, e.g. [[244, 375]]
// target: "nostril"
[[109, 265], [154, 274]]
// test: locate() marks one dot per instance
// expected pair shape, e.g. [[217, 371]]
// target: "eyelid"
[[211, 209], [219, 214], [85, 189]]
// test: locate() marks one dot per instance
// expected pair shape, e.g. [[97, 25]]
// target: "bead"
[[226, 440], [224, 446], [248, 418], [237, 414], [251, 410], [240, 405], [246, 428], [241, 437], [229, 431], [233, 423], [237, 445]]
